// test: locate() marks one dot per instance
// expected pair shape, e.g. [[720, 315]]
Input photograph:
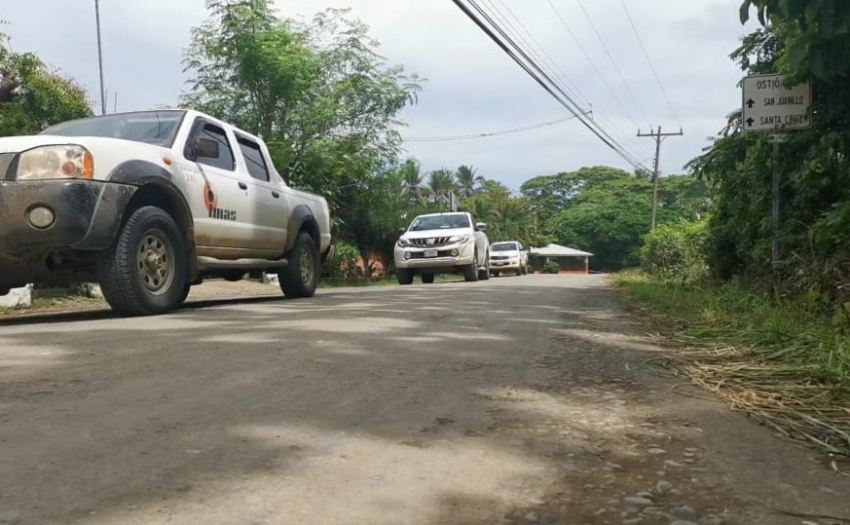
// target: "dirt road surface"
[[517, 400]]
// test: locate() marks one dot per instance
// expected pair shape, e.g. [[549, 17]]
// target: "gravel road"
[[515, 400]]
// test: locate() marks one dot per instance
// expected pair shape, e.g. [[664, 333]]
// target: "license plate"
[[430, 253]]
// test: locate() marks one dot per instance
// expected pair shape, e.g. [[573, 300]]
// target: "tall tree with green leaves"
[[806, 40], [34, 96], [320, 94], [441, 183], [467, 182]]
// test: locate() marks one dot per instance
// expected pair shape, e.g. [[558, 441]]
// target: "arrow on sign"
[[749, 122], [751, 103]]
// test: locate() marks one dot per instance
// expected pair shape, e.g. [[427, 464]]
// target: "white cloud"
[[472, 86]]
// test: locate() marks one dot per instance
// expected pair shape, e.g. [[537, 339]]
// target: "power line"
[[611, 58], [554, 69], [540, 76], [490, 134], [649, 60], [591, 62]]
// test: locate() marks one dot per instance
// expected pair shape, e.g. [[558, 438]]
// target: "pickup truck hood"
[[509, 253], [25, 142], [448, 232]]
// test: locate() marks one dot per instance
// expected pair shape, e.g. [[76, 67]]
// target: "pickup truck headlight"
[[403, 243], [460, 239], [55, 162]]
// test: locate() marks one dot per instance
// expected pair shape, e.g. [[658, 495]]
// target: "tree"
[[551, 194], [412, 183], [320, 95], [441, 184], [804, 40], [467, 181], [34, 96]]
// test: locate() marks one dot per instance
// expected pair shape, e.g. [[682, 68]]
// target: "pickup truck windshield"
[[503, 247], [440, 222], [150, 127]]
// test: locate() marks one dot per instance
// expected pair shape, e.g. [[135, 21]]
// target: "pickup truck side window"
[[225, 158], [254, 159]]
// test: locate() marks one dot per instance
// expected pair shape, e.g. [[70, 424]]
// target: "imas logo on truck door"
[[211, 203]]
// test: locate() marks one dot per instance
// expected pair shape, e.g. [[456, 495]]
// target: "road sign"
[[769, 106]]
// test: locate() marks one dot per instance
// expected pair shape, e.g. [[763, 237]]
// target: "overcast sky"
[[472, 86]]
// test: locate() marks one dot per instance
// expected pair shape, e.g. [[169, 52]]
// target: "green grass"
[[781, 361], [790, 333]]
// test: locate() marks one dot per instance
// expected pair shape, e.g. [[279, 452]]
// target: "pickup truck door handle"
[[243, 185], [275, 194]]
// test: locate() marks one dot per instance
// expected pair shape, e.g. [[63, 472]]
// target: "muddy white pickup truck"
[[148, 204]]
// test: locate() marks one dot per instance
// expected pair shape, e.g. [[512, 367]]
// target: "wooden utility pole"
[[659, 137]]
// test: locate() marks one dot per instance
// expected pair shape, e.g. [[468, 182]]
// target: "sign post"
[[768, 106]]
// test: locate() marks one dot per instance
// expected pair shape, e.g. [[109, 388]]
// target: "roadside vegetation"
[[771, 338]]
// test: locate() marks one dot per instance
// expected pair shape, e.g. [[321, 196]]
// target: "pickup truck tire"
[[4, 291], [404, 277], [300, 277], [470, 271], [144, 271], [428, 278], [484, 275]]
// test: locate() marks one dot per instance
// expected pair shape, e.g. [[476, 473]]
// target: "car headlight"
[[459, 239], [403, 243], [55, 162]]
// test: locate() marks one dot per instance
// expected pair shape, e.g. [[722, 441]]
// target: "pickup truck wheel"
[[4, 291], [470, 271], [144, 271], [484, 275], [428, 278], [404, 276], [300, 277]]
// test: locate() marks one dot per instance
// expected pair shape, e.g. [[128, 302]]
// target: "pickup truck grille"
[[5, 161], [430, 241], [499, 257]]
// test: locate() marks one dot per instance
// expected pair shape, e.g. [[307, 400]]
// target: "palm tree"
[[467, 180], [441, 183], [413, 188]]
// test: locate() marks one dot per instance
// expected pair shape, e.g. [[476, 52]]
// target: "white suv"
[[443, 243], [508, 256]]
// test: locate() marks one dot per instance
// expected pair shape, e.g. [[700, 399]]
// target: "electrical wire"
[[555, 70], [611, 59], [649, 61], [490, 134], [540, 76]]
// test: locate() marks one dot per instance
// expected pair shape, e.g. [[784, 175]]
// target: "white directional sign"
[[769, 106]]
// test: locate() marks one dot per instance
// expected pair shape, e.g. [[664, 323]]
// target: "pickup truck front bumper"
[[53, 214], [447, 258]]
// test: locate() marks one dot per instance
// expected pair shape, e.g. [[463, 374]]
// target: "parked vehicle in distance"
[[149, 203], [508, 256], [438, 243]]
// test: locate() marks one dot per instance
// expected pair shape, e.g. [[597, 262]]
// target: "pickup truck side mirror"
[[482, 227], [206, 148]]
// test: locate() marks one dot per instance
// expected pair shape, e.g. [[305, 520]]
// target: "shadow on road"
[[454, 403]]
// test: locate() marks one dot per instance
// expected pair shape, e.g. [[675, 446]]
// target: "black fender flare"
[[141, 173], [145, 174], [301, 215]]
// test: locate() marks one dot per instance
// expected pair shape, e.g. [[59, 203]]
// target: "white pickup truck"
[[437, 243], [150, 203], [508, 256]]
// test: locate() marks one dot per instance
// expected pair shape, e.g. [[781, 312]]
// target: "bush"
[[676, 252], [346, 267], [552, 267]]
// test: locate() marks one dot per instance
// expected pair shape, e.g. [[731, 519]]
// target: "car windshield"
[[440, 222], [503, 247], [151, 127]]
